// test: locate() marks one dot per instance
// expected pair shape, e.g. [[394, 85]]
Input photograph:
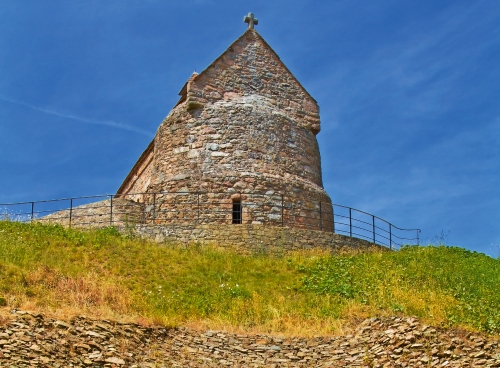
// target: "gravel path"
[[32, 340]]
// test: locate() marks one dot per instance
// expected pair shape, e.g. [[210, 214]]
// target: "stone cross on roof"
[[250, 20]]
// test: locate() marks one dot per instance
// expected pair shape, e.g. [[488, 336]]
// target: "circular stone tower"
[[239, 147]]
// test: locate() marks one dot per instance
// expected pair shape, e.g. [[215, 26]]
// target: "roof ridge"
[[255, 34]]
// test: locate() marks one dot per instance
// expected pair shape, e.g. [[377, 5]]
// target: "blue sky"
[[409, 95]]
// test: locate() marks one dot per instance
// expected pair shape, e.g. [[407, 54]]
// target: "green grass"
[[105, 274]]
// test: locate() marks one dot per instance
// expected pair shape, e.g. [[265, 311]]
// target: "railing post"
[[333, 217], [418, 243], [70, 211], [390, 236], [350, 222], [154, 208], [111, 210], [32, 211], [282, 211], [198, 193], [320, 217], [373, 228]]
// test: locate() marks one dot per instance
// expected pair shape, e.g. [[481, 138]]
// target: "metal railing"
[[188, 208]]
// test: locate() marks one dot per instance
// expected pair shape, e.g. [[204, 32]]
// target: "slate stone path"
[[32, 340]]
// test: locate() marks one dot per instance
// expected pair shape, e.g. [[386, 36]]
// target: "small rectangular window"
[[236, 211]]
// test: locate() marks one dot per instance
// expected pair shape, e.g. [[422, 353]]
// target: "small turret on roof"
[[183, 91]]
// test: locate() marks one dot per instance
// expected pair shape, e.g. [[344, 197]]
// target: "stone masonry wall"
[[253, 239], [189, 207], [242, 137], [244, 125], [129, 216], [120, 213], [234, 168]]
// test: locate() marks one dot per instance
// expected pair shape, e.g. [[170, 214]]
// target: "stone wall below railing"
[[250, 239], [128, 217], [119, 212]]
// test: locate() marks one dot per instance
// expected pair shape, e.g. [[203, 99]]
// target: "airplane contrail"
[[110, 123]]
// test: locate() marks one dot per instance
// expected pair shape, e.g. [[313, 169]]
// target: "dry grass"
[[47, 291]]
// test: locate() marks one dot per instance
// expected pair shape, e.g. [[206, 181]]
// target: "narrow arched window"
[[237, 211]]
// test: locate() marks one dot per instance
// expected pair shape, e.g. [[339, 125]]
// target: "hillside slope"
[[102, 274]]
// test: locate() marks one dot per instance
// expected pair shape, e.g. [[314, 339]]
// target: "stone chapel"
[[238, 147]]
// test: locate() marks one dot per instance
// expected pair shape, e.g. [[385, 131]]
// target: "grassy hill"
[[104, 274]]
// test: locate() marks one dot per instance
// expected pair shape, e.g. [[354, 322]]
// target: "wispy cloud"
[[81, 119], [418, 73]]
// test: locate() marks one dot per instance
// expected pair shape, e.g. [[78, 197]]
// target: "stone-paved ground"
[[29, 339]]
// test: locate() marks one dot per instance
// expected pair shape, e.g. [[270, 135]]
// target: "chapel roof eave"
[[132, 172]]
